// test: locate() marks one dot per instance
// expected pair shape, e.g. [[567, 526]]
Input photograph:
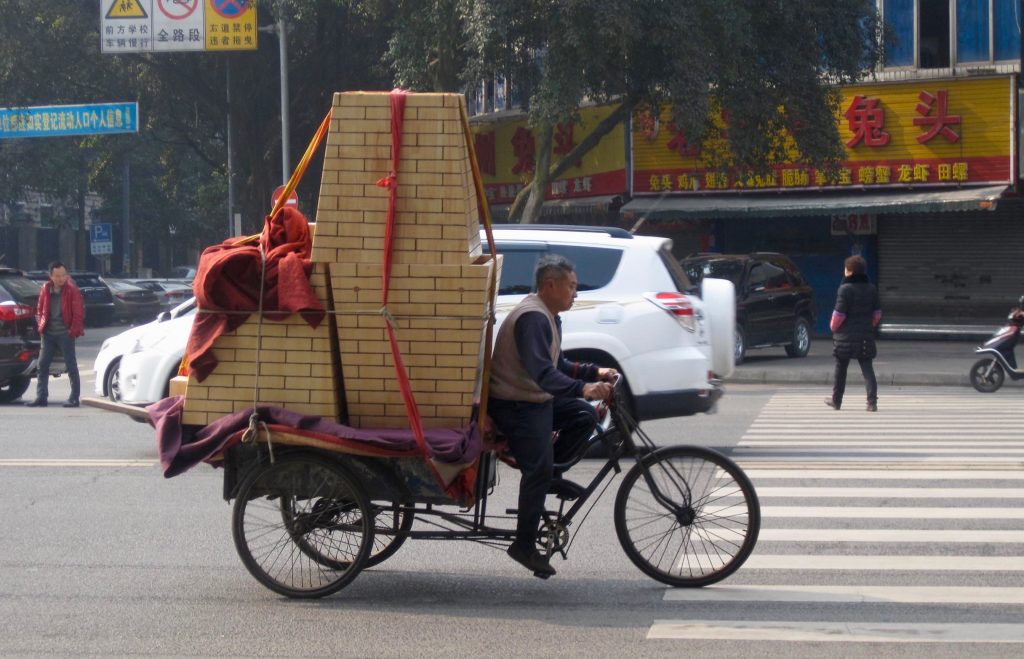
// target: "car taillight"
[[677, 305], [13, 312], [25, 356]]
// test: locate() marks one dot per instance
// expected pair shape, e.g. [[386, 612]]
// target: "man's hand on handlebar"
[[598, 390], [607, 375]]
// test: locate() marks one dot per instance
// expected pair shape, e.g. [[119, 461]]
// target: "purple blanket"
[[180, 452]]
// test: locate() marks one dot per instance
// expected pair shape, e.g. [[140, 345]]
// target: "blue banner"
[[57, 120]]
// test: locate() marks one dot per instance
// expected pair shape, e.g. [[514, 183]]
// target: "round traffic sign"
[[177, 9], [292, 200], [230, 8]]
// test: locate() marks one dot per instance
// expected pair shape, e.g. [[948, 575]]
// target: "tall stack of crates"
[[438, 286]]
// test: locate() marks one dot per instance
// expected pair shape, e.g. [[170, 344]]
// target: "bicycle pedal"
[[542, 575]]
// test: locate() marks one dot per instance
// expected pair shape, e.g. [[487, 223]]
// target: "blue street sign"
[[57, 120], [101, 239]]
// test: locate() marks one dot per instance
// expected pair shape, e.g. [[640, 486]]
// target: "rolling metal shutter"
[[952, 268]]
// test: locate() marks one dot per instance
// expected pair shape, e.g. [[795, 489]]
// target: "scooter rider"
[[535, 390]]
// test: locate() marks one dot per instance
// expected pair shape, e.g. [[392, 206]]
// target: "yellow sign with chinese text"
[[925, 132], [230, 25], [506, 150]]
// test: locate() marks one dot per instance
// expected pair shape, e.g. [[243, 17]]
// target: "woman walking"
[[856, 315]]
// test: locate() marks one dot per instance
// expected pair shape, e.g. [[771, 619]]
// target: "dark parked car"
[[774, 304], [99, 301], [19, 339], [133, 303]]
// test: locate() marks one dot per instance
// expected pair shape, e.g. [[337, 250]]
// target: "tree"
[[772, 68]]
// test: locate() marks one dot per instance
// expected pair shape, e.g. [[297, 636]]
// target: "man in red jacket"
[[60, 316]]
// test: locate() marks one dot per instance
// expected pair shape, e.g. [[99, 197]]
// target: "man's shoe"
[[831, 403], [533, 561], [872, 407], [38, 402], [70, 403]]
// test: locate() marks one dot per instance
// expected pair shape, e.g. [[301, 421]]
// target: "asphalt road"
[[896, 534]]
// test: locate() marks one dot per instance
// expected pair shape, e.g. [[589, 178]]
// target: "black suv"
[[19, 338], [774, 304], [99, 301]]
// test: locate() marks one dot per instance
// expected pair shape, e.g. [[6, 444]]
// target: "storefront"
[[924, 195], [590, 192]]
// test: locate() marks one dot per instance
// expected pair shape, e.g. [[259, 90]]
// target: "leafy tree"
[[772, 67]]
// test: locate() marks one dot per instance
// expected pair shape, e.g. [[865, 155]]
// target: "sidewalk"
[[898, 363]]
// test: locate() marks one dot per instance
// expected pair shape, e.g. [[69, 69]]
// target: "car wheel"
[[739, 345], [14, 388], [801, 344], [113, 384]]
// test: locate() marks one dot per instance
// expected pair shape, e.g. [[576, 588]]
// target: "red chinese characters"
[[524, 147], [866, 120], [680, 144], [940, 122], [564, 141]]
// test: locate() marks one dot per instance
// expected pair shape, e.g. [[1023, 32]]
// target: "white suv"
[[635, 311]]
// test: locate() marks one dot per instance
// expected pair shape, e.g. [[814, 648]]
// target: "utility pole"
[[231, 156], [280, 28]]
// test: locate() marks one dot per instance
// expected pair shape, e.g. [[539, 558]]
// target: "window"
[[766, 276], [595, 266], [899, 16], [1006, 22], [984, 31]]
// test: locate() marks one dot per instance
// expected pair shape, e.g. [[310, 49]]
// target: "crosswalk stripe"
[[892, 535], [958, 493], [905, 512], [881, 474], [925, 459], [833, 632], [848, 594], [1012, 454], [804, 441], [886, 562]]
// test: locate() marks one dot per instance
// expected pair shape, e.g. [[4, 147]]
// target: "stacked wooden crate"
[[438, 284]]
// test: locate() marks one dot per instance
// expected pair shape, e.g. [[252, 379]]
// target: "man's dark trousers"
[[67, 347], [528, 427]]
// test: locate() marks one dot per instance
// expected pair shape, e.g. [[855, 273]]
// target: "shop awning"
[[571, 206], [793, 204]]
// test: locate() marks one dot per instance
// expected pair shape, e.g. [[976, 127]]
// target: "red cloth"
[[72, 308], [228, 279]]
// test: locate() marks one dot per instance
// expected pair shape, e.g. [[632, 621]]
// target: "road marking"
[[891, 535], [74, 462], [893, 492], [1013, 454], [926, 459], [881, 473], [906, 512], [850, 594], [857, 632], [878, 442], [884, 562]]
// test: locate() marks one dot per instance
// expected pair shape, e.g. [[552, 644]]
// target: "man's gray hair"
[[552, 266]]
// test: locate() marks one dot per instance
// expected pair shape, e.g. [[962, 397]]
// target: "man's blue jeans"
[[528, 427], [51, 343]]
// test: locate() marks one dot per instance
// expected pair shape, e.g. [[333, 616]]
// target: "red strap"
[[398, 97]]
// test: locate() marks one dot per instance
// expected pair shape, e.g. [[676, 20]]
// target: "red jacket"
[[72, 307]]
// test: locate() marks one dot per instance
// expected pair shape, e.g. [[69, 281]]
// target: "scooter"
[[998, 360]]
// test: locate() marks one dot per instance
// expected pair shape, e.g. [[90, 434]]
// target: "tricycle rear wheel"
[[300, 502], [703, 525]]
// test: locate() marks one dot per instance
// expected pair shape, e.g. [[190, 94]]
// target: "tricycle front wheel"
[[302, 526], [687, 516]]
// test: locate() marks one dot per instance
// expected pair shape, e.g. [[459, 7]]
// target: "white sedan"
[[146, 370], [108, 361]]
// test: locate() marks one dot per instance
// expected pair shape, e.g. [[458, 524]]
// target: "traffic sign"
[[101, 239], [292, 200], [145, 26]]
